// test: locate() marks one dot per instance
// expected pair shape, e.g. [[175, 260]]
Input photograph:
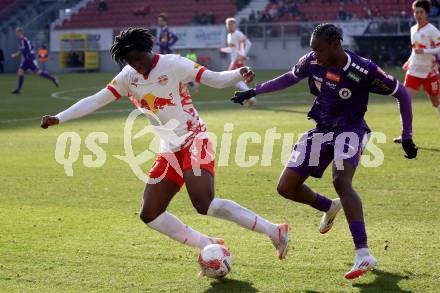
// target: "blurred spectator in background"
[[211, 17], [294, 10], [290, 10], [2, 61], [43, 57], [196, 18], [142, 10], [241, 3], [434, 12], [204, 18], [341, 14], [376, 12], [102, 6], [166, 38], [252, 17]]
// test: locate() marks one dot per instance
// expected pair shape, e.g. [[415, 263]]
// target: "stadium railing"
[[288, 30]]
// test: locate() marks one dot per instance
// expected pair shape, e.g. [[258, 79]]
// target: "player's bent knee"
[[201, 206], [148, 216], [286, 190], [281, 189], [341, 184]]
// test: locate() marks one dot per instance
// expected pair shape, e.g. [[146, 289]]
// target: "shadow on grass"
[[384, 282], [429, 149], [230, 285]]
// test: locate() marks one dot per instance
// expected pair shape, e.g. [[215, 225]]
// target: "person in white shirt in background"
[[238, 46], [422, 67]]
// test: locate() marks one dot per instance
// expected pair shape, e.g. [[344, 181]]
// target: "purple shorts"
[[316, 149], [29, 64]]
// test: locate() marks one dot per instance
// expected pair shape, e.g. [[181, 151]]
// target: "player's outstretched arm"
[[80, 109], [281, 82], [405, 108], [227, 78], [432, 51]]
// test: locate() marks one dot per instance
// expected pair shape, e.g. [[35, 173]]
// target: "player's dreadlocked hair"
[[129, 39], [425, 4], [328, 32]]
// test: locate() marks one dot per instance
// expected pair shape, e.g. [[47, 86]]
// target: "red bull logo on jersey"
[[418, 45], [153, 103]]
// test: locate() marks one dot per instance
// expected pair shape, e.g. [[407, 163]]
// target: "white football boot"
[[280, 240], [363, 263], [329, 216]]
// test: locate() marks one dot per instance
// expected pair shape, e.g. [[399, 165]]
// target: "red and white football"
[[215, 260]]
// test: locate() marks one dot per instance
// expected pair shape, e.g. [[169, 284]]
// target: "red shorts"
[[196, 156], [237, 63], [431, 85]]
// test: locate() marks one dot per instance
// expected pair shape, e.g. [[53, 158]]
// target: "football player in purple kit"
[[341, 82], [28, 61], [166, 37]]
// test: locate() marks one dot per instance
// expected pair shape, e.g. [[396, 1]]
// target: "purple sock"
[[359, 234], [322, 203], [47, 76], [20, 82]]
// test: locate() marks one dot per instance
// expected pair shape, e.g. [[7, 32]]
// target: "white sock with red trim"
[[228, 210], [241, 85], [171, 226]]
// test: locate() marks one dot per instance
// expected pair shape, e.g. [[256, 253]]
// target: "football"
[[215, 260]]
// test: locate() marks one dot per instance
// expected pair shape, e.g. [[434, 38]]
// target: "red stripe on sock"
[[255, 223]]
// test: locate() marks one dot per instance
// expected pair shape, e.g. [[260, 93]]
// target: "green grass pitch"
[[83, 233]]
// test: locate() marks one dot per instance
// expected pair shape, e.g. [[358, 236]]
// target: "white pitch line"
[[56, 95], [60, 95]]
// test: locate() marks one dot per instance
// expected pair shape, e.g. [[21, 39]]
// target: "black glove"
[[239, 97], [410, 148]]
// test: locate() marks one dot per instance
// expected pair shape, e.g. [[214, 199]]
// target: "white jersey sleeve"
[[187, 70], [119, 85], [86, 106], [435, 42]]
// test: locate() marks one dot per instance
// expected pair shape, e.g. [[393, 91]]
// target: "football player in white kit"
[[421, 67], [238, 46], [154, 84]]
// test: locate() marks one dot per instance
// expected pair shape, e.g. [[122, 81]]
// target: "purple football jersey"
[[166, 40], [341, 94], [26, 49]]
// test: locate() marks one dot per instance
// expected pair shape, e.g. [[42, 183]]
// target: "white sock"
[[362, 252], [171, 226], [241, 85], [228, 210]]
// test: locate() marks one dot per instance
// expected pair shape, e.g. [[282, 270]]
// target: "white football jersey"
[[236, 41], [167, 102], [426, 37]]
